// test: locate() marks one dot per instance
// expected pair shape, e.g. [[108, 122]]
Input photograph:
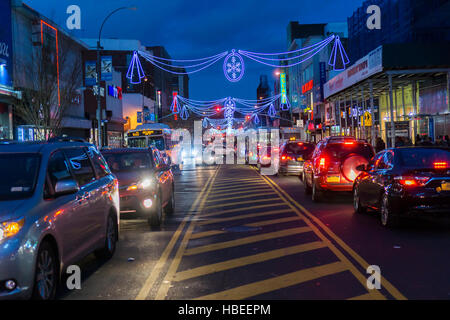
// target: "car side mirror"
[[66, 187], [361, 167]]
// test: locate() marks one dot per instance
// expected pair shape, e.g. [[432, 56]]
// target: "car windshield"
[[128, 161], [157, 142], [18, 174], [299, 148], [424, 158], [339, 151]]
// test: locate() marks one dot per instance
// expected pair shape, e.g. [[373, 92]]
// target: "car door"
[[366, 180], [64, 211], [382, 177], [86, 222], [101, 191]]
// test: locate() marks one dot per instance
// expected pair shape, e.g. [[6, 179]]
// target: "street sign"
[[367, 119], [300, 123]]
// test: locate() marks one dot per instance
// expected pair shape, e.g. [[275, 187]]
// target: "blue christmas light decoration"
[[255, 118], [184, 113], [234, 66], [338, 56], [135, 65], [271, 112]]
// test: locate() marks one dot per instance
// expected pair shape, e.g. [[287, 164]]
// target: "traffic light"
[[218, 108], [247, 117]]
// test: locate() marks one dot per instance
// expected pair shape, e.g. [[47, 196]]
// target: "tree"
[[42, 105]]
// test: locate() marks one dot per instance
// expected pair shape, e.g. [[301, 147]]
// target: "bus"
[[151, 134]]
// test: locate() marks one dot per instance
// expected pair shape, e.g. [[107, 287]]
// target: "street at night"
[[219, 159]]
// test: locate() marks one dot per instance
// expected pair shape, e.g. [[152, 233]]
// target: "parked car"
[[146, 183], [333, 165], [404, 181], [292, 156], [58, 203], [267, 160]]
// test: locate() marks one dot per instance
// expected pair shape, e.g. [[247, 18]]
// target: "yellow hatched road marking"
[[255, 224], [246, 240], [240, 262], [159, 267], [375, 294], [240, 202], [244, 216], [232, 183], [237, 187], [238, 197], [219, 213], [255, 190], [276, 283]]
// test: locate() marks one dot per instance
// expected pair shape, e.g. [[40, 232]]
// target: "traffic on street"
[[154, 162]]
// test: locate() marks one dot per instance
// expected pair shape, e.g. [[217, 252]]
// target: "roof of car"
[[36, 147], [125, 150]]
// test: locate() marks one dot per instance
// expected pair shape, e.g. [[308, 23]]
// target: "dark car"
[[146, 183], [292, 156], [404, 181], [333, 165]]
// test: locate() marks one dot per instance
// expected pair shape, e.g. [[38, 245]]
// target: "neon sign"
[[307, 86], [283, 88]]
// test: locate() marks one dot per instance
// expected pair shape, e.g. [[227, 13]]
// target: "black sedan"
[[404, 181]]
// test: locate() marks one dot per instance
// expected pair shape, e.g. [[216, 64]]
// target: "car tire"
[[316, 195], [46, 273], [357, 202], [156, 215], [111, 237], [306, 188], [170, 207], [388, 220]]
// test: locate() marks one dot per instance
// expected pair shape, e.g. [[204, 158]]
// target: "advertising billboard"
[[6, 58]]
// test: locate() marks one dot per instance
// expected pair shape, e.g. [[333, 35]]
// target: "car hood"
[[129, 177], [9, 209]]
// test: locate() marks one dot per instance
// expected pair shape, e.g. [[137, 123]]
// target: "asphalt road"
[[239, 235]]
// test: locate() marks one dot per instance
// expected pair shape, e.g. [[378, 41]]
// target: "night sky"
[[195, 29]]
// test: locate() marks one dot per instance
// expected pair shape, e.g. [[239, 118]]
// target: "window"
[[57, 170], [157, 158], [128, 161], [80, 165], [100, 165]]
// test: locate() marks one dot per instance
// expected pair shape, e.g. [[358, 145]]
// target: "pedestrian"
[[379, 145], [418, 140]]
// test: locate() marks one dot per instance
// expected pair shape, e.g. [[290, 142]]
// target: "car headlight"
[[144, 184], [10, 228]]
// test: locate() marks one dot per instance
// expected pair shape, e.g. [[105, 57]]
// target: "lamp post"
[[99, 77]]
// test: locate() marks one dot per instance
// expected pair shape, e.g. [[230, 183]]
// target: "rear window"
[[299, 148], [424, 158], [340, 151], [128, 161], [18, 174]]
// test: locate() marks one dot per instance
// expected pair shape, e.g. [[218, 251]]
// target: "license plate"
[[445, 186], [333, 179]]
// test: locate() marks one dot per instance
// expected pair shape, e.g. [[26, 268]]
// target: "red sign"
[[307, 86]]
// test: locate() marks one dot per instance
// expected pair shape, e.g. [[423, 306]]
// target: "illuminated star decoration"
[[233, 67]]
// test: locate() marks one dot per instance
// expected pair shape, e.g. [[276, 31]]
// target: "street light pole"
[[99, 77]]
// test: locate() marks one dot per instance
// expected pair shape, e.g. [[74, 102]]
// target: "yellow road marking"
[[240, 262], [375, 294], [156, 271], [219, 213], [255, 190], [246, 240], [365, 296], [244, 216], [233, 183], [165, 285], [238, 197], [254, 224], [236, 187], [276, 283], [240, 202]]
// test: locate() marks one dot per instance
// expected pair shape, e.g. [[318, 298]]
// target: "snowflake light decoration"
[[233, 67]]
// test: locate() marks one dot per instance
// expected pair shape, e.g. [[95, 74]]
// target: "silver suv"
[[58, 202]]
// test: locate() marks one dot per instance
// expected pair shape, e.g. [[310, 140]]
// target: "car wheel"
[[306, 188], [156, 215], [316, 195], [170, 208], [387, 218], [110, 239], [46, 273], [357, 202]]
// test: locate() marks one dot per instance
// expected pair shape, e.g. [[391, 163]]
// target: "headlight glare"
[[10, 228]]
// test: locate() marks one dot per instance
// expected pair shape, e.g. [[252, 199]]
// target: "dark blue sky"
[[191, 29]]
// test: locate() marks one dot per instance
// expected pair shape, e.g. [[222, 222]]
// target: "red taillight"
[[283, 158], [300, 143], [412, 181], [440, 165], [349, 143], [322, 163]]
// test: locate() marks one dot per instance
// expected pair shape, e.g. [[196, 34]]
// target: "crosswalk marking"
[[275, 283], [240, 202], [244, 216], [246, 240], [239, 262]]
